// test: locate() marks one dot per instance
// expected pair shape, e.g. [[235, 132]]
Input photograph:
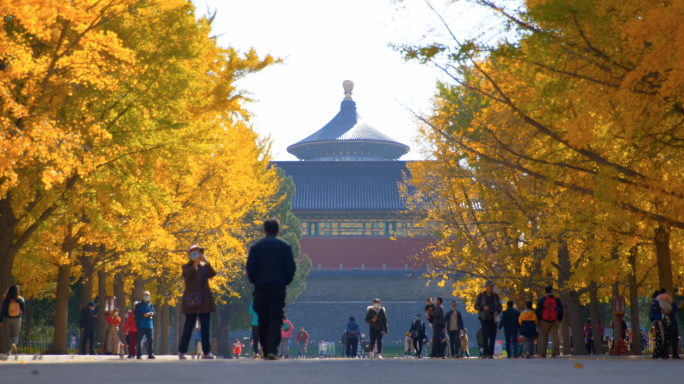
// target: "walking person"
[[131, 332], [488, 307], [436, 315], [417, 333], [352, 331], [528, 329], [285, 334], [255, 329], [465, 344], [588, 337], [376, 317], [112, 341], [302, 341], [270, 267], [453, 323], [87, 322], [550, 314], [13, 307], [510, 325], [72, 343], [198, 300], [144, 313], [478, 340]]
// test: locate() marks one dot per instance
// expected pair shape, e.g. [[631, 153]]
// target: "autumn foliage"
[[124, 140], [557, 145]]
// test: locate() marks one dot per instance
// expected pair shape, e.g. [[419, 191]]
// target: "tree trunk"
[[120, 294], [164, 348], [662, 243], [59, 341], [157, 329], [101, 294], [8, 224], [563, 278], [138, 289], [28, 319], [616, 292], [575, 324], [176, 326], [634, 303], [595, 330], [87, 272]]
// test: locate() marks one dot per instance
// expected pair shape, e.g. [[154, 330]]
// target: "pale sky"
[[324, 43]]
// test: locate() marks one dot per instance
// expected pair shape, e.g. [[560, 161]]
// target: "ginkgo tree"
[[129, 139]]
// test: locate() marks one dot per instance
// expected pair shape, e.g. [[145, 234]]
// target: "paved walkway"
[[347, 371]]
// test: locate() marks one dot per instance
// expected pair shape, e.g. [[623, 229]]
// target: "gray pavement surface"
[[348, 371]]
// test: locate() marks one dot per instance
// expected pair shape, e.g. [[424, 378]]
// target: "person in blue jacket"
[[352, 332], [144, 314]]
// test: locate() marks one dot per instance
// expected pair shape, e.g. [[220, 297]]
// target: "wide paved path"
[[347, 371]]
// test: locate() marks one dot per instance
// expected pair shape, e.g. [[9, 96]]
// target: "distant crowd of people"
[[271, 267]]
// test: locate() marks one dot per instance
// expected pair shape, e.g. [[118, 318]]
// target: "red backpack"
[[550, 312]]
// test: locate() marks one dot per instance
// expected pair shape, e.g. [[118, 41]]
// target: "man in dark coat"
[[510, 325], [270, 267], [88, 325], [417, 333], [453, 323], [488, 307], [437, 317]]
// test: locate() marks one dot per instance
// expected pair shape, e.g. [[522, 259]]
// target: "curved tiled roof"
[[347, 129], [346, 186]]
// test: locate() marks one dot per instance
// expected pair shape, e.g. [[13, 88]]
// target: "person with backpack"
[[13, 307], [376, 317], [302, 340], [528, 328], [352, 331], [417, 334], [488, 306], [285, 334], [510, 325], [550, 313]]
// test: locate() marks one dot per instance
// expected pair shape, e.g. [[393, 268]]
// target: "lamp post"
[[619, 309]]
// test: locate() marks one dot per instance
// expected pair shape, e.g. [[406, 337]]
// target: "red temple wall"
[[373, 252]]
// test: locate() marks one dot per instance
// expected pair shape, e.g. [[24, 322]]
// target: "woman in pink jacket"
[[285, 334]]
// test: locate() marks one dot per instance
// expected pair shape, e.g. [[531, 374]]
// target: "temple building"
[[348, 198], [362, 242]]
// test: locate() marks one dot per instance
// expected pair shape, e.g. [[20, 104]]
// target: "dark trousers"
[[674, 341], [454, 343], [149, 341], [590, 346], [511, 337], [437, 348], [352, 347], [190, 320], [376, 337], [488, 336], [269, 304], [418, 346], [255, 338], [88, 337]]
